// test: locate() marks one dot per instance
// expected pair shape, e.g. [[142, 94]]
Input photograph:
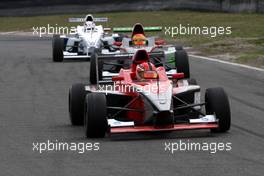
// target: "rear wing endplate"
[[130, 29]]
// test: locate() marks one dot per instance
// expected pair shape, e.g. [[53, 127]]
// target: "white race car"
[[82, 44]]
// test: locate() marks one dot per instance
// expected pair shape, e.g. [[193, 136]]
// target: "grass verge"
[[244, 45]]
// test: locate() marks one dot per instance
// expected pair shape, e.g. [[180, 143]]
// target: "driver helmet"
[[139, 40], [89, 25], [142, 68]]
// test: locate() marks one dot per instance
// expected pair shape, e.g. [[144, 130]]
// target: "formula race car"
[[146, 98], [121, 48], [82, 44]]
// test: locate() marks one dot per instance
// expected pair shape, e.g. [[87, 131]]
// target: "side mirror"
[[178, 76]]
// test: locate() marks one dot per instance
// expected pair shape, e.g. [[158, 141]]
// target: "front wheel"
[[57, 48], [217, 104], [95, 121], [76, 104]]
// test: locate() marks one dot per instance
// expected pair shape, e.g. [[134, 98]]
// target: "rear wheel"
[[57, 48], [95, 115], [182, 63], [96, 68], [217, 103], [76, 104]]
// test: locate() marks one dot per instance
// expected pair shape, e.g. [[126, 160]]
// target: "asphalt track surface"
[[33, 108]]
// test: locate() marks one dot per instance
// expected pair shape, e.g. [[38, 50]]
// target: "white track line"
[[6, 33], [226, 62]]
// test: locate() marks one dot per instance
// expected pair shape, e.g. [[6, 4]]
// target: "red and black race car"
[[144, 98]]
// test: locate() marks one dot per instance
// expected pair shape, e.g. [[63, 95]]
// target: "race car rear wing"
[[79, 20], [130, 29], [127, 56]]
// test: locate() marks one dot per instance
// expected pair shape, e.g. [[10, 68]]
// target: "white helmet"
[[89, 25]]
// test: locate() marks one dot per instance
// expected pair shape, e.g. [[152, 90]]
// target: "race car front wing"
[[205, 122]]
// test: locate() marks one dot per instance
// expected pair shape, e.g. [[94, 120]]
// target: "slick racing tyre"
[[77, 95], [57, 48], [217, 103], [95, 121], [182, 63], [96, 68]]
